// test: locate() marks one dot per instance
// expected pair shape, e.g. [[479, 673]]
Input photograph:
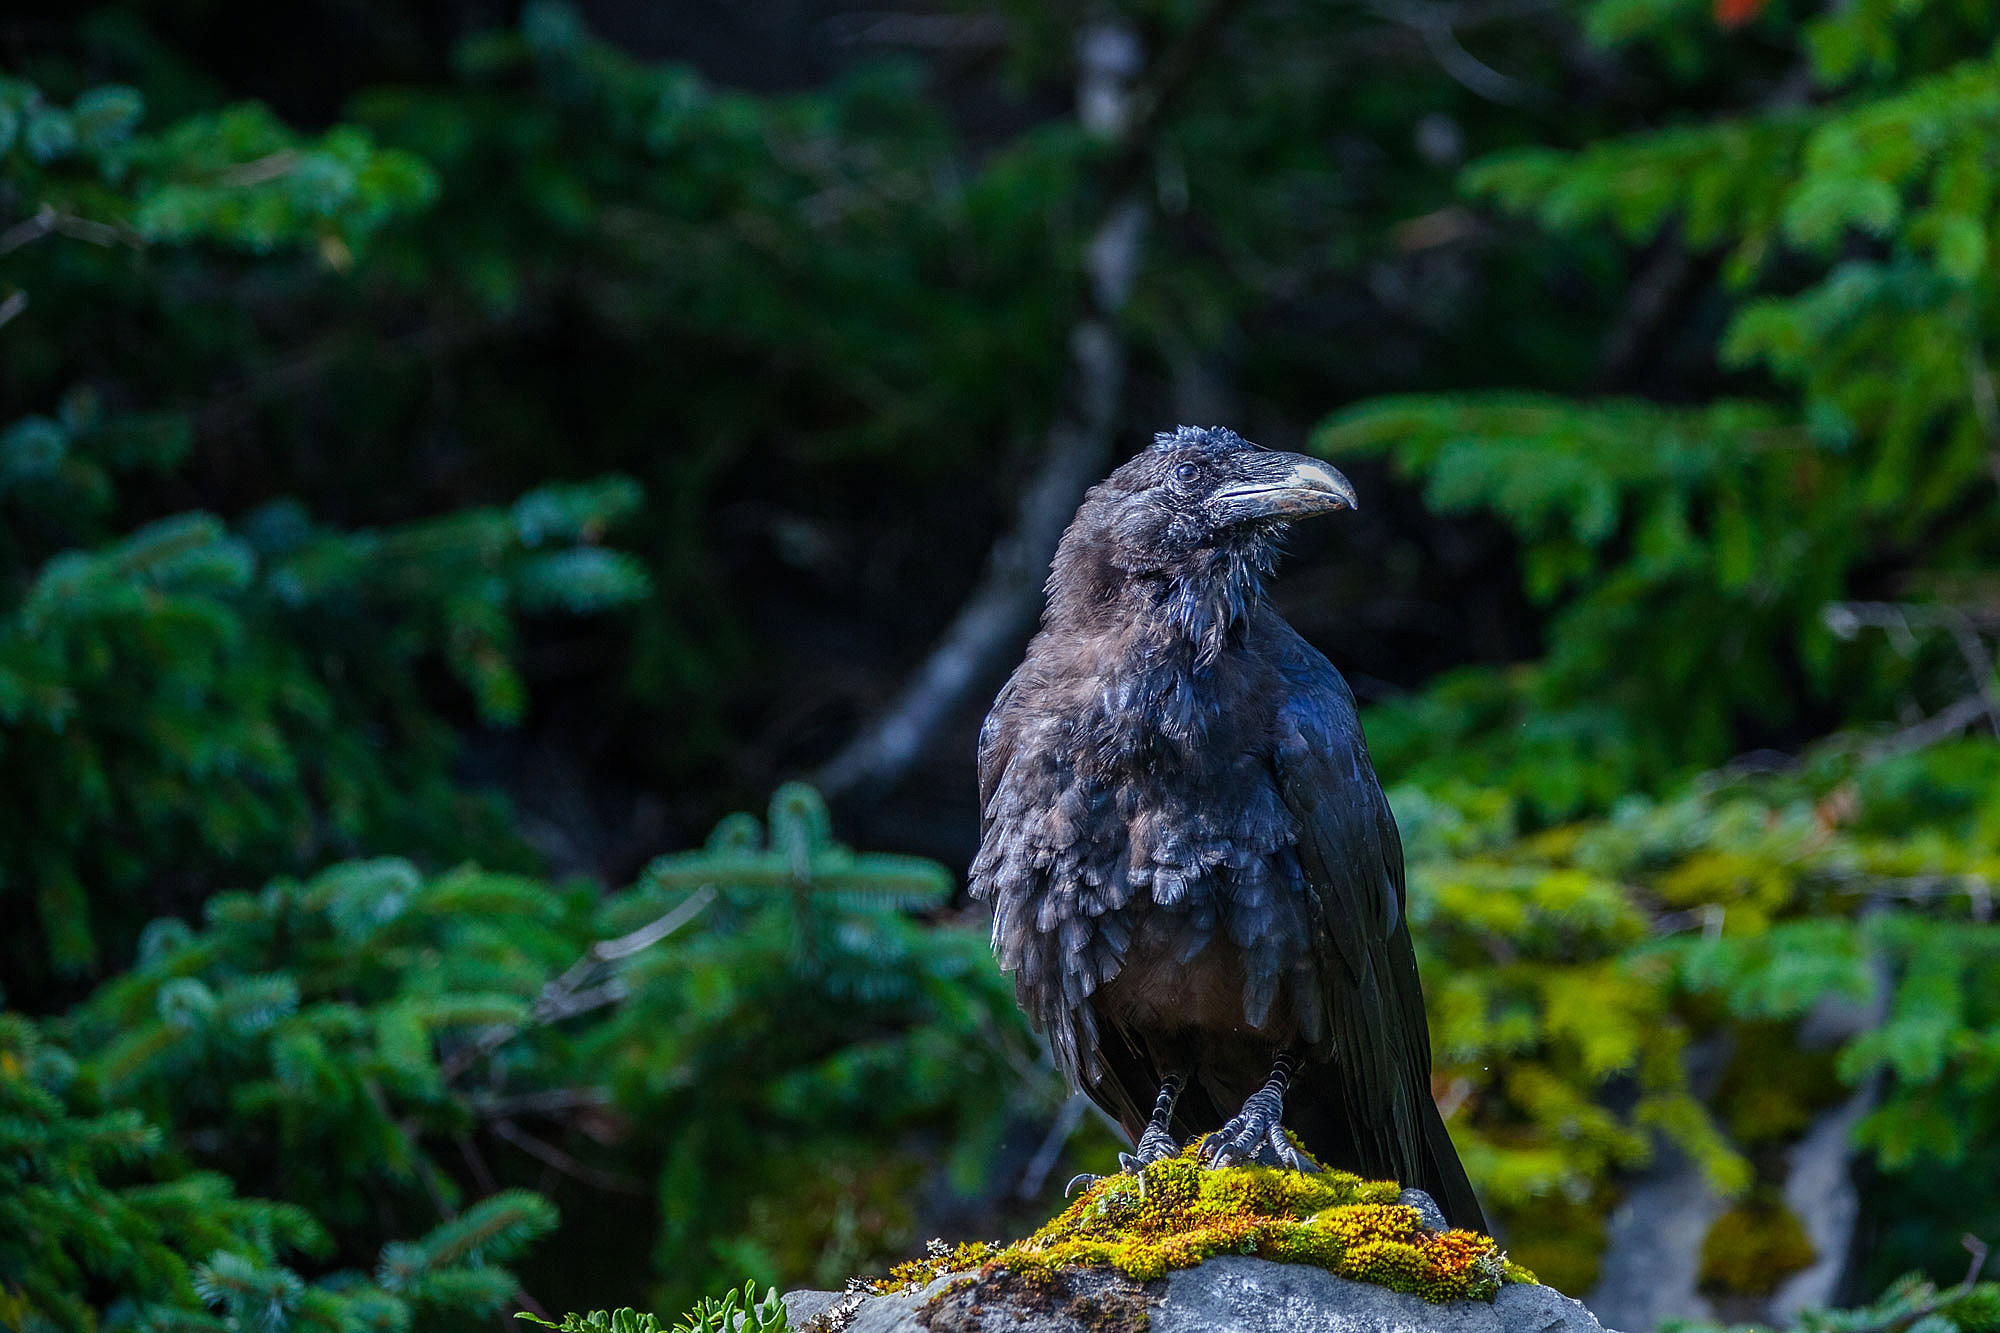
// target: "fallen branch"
[[1901, 621], [1078, 445], [1046, 1154]]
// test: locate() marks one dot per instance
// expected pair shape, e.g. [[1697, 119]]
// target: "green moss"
[[1772, 1088], [1176, 1213], [1753, 1247], [1561, 1238]]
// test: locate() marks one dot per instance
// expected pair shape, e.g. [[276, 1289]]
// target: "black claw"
[[1083, 1180]]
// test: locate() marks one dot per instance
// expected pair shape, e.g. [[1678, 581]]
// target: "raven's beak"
[[1283, 486]]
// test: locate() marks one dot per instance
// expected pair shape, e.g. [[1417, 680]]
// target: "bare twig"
[[548, 1101], [1437, 23], [475, 1162], [1078, 444], [1909, 1319], [304, 368], [1652, 294], [28, 229], [548, 1154], [1902, 620], [1044, 1161], [583, 986], [563, 997], [1978, 661], [49, 220], [260, 170], [1947, 721], [1977, 1249], [16, 302]]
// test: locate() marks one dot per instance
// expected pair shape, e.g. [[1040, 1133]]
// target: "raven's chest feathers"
[[1135, 816]]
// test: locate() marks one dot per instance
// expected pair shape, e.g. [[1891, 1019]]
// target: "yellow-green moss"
[[1176, 1213], [1772, 1087], [1753, 1247], [1562, 1238]]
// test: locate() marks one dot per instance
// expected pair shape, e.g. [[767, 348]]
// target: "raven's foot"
[[1152, 1148], [1155, 1145], [1257, 1133]]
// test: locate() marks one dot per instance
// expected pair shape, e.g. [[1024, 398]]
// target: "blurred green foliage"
[[1694, 560], [328, 456], [744, 1019], [96, 1208]]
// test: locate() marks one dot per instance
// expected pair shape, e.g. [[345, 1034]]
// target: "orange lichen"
[[1177, 1212]]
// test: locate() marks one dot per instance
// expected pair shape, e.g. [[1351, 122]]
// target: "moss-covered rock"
[[1176, 1213], [1753, 1247]]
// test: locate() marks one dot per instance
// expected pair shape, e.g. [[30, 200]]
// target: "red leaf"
[[1736, 13]]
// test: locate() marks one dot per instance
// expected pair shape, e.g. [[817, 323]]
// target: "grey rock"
[[804, 1304], [1241, 1295], [1651, 1269], [1225, 1295], [1652, 1253], [1820, 1191], [1428, 1213], [1819, 1181]]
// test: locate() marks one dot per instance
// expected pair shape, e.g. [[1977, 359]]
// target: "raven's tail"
[[1411, 1146], [1442, 1176]]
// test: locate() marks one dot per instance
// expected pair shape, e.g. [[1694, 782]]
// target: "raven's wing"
[[1036, 822], [1369, 1096]]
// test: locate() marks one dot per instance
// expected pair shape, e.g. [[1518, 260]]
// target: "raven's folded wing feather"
[[1378, 1073]]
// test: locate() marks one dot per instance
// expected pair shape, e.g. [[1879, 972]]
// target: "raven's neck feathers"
[[1185, 614], [1209, 605]]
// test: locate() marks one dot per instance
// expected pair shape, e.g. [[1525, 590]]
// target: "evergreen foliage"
[[729, 1026], [1912, 1302], [1695, 561], [1689, 553], [1596, 953], [103, 1227], [186, 700]]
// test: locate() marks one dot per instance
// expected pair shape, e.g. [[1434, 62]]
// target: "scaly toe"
[[1281, 1147], [1234, 1142]]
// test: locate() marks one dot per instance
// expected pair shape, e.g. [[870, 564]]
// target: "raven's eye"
[[1186, 472]]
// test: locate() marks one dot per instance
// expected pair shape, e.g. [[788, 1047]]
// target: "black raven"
[[1195, 878]]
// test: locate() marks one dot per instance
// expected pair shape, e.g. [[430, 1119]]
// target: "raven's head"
[[1195, 517], [1203, 488]]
